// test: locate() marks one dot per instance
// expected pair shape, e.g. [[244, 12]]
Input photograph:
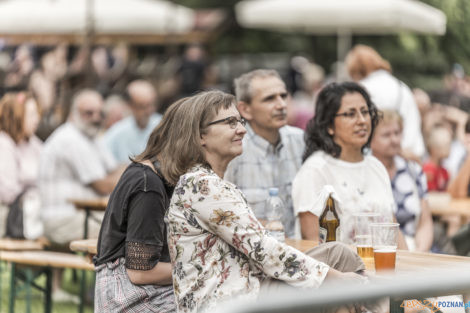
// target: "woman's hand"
[[334, 275]]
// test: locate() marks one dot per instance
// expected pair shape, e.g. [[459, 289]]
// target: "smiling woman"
[[219, 250], [336, 140]]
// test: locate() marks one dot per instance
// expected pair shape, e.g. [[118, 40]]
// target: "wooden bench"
[[29, 265], [20, 245]]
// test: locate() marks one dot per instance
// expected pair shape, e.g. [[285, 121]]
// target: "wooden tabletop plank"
[[96, 204], [441, 203], [407, 261], [86, 245], [47, 258], [20, 245]]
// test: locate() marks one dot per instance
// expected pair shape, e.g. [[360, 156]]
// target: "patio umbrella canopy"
[[329, 17], [342, 17], [62, 18]]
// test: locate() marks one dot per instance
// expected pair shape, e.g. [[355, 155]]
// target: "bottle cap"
[[273, 191]]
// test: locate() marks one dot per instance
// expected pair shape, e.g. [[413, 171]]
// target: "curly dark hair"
[[327, 106]]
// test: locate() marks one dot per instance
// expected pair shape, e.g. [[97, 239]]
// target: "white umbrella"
[[342, 17], [109, 17]]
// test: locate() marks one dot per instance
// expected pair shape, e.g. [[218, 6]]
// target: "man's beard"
[[91, 130]]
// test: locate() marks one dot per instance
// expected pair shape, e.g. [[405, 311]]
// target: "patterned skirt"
[[114, 292]]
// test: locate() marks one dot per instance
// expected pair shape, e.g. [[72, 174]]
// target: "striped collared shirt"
[[262, 166]]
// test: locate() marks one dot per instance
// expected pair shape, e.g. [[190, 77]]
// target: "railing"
[[413, 286]]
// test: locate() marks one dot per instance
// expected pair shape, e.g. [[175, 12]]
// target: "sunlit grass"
[[37, 304]]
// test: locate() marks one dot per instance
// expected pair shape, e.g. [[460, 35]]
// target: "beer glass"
[[384, 242], [362, 233]]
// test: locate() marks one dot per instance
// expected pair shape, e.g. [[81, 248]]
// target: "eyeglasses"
[[232, 121], [90, 113], [354, 115]]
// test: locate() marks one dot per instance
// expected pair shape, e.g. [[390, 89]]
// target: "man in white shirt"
[[272, 151], [75, 165], [129, 136]]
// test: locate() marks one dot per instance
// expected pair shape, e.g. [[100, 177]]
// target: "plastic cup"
[[362, 233], [384, 243]]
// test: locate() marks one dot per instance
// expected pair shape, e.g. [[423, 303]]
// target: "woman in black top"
[[133, 273]]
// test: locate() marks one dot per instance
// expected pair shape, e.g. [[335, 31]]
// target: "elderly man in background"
[[272, 151], [75, 165], [129, 136]]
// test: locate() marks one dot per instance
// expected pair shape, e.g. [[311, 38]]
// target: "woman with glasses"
[[336, 141], [219, 250]]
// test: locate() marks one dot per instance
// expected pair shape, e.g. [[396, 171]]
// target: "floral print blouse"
[[219, 251]]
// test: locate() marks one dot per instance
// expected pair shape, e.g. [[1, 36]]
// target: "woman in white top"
[[19, 157], [336, 139]]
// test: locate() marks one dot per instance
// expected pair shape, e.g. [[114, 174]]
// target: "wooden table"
[[87, 246], [7, 244], [407, 261], [97, 204], [455, 206]]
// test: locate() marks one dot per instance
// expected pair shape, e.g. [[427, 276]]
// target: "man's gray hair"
[[82, 95], [242, 84]]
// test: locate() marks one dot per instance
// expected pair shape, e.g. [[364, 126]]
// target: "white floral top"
[[219, 251]]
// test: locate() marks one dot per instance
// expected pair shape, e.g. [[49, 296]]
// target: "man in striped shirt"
[[272, 151]]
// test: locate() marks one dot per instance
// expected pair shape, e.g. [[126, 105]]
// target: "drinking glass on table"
[[362, 233], [384, 243]]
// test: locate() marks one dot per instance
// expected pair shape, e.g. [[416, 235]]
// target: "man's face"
[[90, 116], [268, 107], [142, 107]]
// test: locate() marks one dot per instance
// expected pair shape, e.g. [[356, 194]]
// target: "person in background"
[[219, 250], [75, 165], [438, 143], [192, 71], [132, 264], [408, 183], [368, 68], [20, 150], [460, 186], [336, 140], [115, 109], [128, 137], [272, 150]]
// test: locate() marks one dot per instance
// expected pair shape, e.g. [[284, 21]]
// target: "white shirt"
[[388, 93], [360, 187], [69, 163]]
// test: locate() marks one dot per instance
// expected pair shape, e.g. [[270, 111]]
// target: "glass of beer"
[[384, 242], [362, 233]]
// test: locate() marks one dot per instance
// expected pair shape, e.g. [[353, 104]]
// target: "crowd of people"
[[184, 227]]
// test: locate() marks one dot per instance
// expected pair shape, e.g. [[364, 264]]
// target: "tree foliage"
[[419, 60]]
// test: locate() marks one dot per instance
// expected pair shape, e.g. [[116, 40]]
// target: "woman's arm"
[[145, 240], [220, 208], [309, 226], [424, 231], [458, 187], [160, 274]]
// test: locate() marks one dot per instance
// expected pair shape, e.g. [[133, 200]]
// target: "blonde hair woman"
[[408, 183]]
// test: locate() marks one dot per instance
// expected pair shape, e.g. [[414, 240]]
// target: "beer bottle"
[[329, 223]]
